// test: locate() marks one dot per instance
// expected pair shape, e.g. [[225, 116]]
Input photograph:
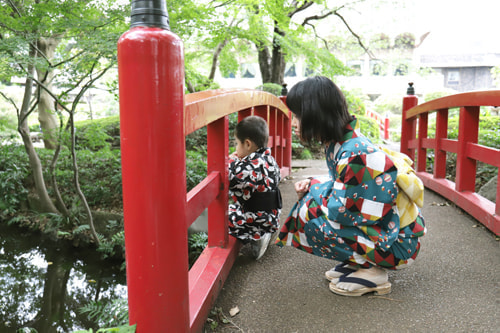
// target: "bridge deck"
[[452, 287]]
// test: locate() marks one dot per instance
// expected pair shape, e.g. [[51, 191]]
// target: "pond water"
[[44, 284]]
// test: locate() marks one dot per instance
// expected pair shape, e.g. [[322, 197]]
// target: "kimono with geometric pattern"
[[353, 216], [257, 172]]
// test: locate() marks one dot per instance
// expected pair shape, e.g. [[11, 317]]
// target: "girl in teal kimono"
[[352, 217]]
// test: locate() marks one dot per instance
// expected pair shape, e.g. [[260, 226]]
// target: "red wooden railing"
[[383, 122], [155, 116], [414, 139], [211, 109]]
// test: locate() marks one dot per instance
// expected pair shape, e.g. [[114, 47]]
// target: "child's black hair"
[[321, 108], [253, 128]]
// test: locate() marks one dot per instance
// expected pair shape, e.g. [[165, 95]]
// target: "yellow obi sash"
[[411, 188]]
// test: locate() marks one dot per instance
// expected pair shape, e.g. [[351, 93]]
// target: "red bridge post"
[[151, 87], [386, 127], [408, 126]]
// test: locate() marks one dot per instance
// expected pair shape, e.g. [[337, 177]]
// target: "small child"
[[254, 176]]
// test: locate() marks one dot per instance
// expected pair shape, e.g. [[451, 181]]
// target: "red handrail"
[[211, 109], [462, 191], [155, 117], [383, 122]]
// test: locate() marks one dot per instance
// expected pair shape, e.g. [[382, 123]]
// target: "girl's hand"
[[302, 188]]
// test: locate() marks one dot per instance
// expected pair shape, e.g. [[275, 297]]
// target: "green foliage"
[[388, 103], [197, 140], [197, 81], [121, 329], [306, 154], [404, 41], [438, 94], [114, 313], [196, 244], [488, 130], [380, 41], [98, 133], [356, 102], [113, 245], [99, 174], [196, 168], [86, 34], [369, 128], [13, 175], [272, 88]]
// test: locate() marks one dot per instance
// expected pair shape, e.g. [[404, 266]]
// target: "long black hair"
[[321, 108]]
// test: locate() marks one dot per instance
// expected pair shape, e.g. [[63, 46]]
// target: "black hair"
[[321, 108], [253, 128]]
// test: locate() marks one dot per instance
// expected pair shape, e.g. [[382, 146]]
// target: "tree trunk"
[[215, 58], [46, 203], [264, 62], [46, 113], [278, 61], [272, 67]]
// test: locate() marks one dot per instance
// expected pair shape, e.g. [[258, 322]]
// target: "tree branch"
[[11, 101], [304, 6], [360, 42], [319, 37]]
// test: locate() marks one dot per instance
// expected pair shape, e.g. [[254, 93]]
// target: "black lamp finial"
[[149, 13], [410, 90]]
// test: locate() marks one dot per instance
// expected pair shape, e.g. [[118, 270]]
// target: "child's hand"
[[302, 188], [233, 156]]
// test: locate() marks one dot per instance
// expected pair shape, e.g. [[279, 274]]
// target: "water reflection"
[[43, 285]]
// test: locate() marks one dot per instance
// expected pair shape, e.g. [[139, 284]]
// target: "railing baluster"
[[217, 154], [422, 134], [439, 153], [408, 125], [462, 191], [468, 129]]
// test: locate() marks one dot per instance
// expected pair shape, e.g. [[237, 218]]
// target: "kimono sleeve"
[[236, 174]]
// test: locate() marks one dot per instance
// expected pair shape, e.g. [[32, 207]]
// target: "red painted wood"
[[440, 151], [497, 207], [204, 107], [477, 206], [422, 135], [468, 129], [386, 128], [484, 154], [151, 83], [155, 117], [217, 160], [201, 195], [408, 131], [244, 113], [428, 143], [449, 145], [468, 152], [262, 111], [274, 143], [206, 279], [477, 98]]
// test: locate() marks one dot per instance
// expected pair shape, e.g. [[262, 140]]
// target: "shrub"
[[369, 128], [98, 133], [272, 88], [196, 168], [14, 172], [356, 102], [488, 130]]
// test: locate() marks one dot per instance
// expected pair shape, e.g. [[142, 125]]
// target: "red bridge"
[[156, 116]]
